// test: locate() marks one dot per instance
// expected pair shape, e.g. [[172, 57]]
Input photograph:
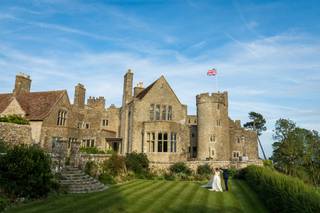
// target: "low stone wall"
[[97, 158], [164, 166], [14, 134]]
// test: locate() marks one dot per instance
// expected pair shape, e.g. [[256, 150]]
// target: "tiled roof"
[[146, 90], [37, 105]]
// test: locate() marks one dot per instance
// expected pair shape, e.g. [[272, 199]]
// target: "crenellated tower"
[[96, 102], [213, 126]]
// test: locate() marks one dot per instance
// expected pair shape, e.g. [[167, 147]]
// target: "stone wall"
[[164, 166], [15, 134], [97, 158]]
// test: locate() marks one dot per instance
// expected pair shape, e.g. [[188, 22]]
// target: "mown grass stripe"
[[196, 203], [187, 195], [151, 202], [170, 196], [37, 206], [120, 200], [248, 198], [115, 195], [76, 199]]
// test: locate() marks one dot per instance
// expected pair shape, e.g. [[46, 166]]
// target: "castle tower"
[[22, 84], [213, 126], [127, 88], [79, 96]]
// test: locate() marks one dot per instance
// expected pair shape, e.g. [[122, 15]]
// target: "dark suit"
[[225, 175]]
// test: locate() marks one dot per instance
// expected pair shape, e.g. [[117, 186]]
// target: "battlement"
[[96, 102], [213, 98]]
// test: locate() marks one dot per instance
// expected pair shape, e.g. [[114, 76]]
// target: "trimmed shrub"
[[115, 165], [16, 119], [204, 169], [91, 150], [180, 167], [138, 163], [91, 168], [25, 172], [106, 178], [282, 193]]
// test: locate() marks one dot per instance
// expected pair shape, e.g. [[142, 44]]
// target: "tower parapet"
[[221, 98], [96, 102]]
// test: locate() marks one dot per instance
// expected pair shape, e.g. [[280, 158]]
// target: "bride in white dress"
[[216, 181]]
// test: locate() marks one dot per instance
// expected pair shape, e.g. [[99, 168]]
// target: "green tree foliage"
[[16, 119], [282, 193], [296, 151], [25, 172], [137, 162], [115, 165], [257, 122], [204, 169], [180, 167]]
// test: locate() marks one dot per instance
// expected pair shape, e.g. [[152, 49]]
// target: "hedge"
[[282, 193]]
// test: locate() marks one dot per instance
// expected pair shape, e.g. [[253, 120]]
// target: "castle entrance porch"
[[113, 144]]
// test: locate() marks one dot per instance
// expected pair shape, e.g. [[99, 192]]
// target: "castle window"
[[87, 125], [212, 138], [238, 139], [88, 142], [105, 122], [218, 122], [150, 141], [62, 117], [236, 154], [160, 142], [164, 112], [218, 106], [173, 142], [165, 142], [169, 113], [151, 112], [157, 112]]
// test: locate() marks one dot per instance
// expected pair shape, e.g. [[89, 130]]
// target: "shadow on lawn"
[[202, 209]]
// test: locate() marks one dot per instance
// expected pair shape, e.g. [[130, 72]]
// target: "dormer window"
[[62, 117]]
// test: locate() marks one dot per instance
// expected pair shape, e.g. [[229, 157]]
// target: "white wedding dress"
[[216, 183]]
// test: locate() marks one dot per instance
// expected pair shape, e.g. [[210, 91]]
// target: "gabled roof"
[[147, 89], [37, 105]]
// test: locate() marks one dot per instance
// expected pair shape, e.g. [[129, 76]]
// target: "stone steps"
[[78, 182]]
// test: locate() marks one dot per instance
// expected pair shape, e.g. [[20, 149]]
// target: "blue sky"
[[267, 53]]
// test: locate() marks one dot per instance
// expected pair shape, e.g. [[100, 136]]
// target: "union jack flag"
[[212, 72]]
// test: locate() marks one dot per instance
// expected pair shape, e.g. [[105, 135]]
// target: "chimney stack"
[[22, 84]]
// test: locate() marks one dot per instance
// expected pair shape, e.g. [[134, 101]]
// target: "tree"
[[296, 151], [257, 123]]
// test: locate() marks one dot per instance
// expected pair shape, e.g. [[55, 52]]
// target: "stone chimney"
[[127, 88], [138, 89], [22, 84], [79, 96]]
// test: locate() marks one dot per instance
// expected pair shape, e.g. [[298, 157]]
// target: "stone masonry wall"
[[14, 134]]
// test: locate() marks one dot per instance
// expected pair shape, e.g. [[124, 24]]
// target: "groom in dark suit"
[[225, 175]]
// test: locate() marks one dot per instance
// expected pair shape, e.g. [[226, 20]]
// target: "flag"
[[212, 72]]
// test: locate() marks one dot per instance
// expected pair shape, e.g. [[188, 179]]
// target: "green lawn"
[[152, 196]]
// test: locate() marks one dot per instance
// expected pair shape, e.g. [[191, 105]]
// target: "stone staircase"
[[77, 181]]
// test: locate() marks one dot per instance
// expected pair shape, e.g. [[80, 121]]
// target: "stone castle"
[[151, 120]]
